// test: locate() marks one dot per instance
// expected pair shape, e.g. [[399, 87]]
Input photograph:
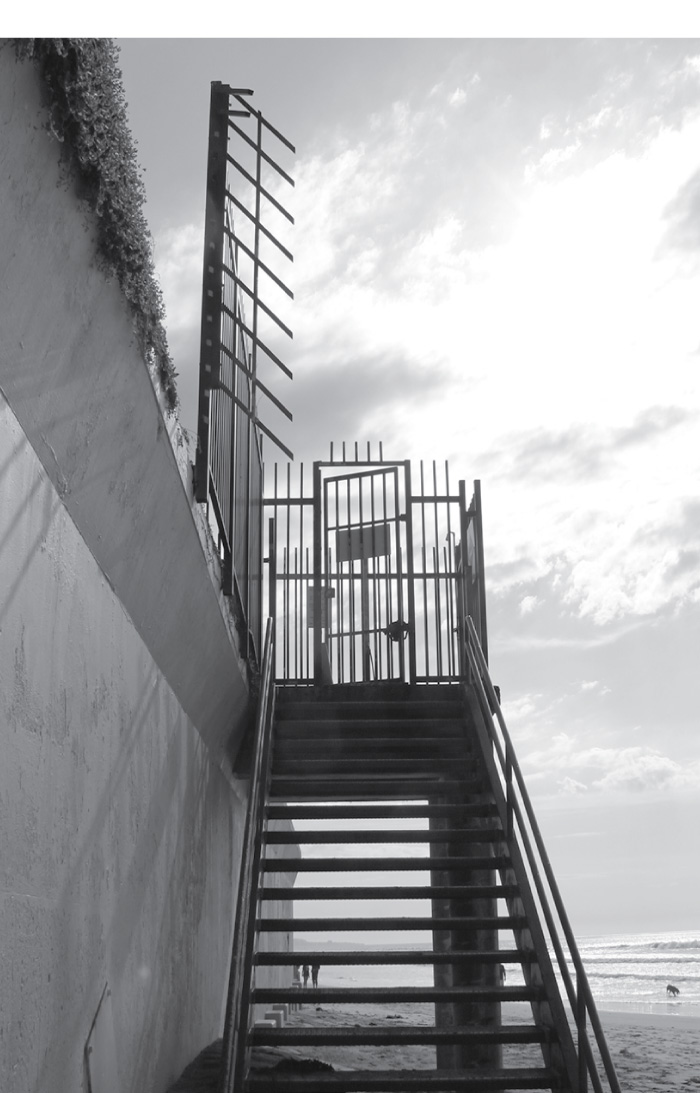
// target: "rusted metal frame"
[[490, 701], [265, 192], [273, 276], [241, 967], [259, 226]]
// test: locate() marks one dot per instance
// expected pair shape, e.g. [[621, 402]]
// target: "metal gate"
[[362, 611], [368, 580]]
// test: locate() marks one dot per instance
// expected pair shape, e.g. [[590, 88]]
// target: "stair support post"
[[449, 1014]]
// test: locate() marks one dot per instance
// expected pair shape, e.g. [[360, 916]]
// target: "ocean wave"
[[640, 946]]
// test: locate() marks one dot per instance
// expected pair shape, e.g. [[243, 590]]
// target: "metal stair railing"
[[522, 824], [237, 1003]]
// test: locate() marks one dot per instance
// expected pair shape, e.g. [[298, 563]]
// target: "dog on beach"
[[670, 989]]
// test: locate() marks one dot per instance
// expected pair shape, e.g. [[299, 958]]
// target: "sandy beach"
[[652, 1053]]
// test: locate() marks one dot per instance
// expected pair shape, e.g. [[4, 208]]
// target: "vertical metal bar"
[[317, 545], [351, 603], [479, 529], [450, 579], [302, 589], [463, 551], [307, 586], [410, 574], [375, 573], [581, 1034], [424, 559], [210, 338], [339, 592], [436, 567], [272, 570]]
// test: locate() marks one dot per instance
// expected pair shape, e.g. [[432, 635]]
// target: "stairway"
[[356, 757]]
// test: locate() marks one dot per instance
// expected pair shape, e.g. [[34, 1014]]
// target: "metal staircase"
[[349, 756]]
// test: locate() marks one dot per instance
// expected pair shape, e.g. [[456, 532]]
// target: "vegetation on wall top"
[[89, 116]]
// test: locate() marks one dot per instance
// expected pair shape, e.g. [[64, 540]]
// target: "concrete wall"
[[122, 694]]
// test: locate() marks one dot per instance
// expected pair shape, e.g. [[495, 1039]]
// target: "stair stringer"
[[559, 1051]]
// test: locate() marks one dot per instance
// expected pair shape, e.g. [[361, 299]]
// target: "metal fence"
[[371, 570], [240, 332]]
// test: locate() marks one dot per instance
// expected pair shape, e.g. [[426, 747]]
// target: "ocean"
[[628, 973]]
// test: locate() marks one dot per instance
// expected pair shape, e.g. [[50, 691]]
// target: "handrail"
[[236, 1020], [518, 801]]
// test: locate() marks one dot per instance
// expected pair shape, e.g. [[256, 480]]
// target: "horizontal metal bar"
[[266, 349], [263, 154], [259, 224], [261, 265], [268, 432], [266, 193], [273, 398], [261, 305]]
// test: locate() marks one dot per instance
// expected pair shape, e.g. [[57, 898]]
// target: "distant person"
[[305, 974], [502, 973], [314, 974]]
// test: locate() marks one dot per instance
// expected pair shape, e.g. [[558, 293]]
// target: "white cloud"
[[528, 605]]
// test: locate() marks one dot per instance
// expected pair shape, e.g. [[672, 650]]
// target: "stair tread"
[[423, 891], [395, 956], [366, 865], [399, 1034], [401, 994], [402, 1081], [378, 812], [397, 922], [465, 834]]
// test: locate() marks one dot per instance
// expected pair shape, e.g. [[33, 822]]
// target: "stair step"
[[464, 835], [397, 1034], [371, 764], [407, 922], [366, 865], [400, 728], [292, 746], [395, 956], [481, 809], [358, 995], [377, 789], [402, 1081], [423, 891]]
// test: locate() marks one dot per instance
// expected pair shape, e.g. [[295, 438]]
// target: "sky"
[[497, 262]]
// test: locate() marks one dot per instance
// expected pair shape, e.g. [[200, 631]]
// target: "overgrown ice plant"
[[88, 114]]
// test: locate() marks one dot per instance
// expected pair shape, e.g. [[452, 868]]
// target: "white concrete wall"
[[122, 694]]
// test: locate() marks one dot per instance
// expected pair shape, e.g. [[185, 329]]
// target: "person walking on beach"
[[305, 974], [314, 974]]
